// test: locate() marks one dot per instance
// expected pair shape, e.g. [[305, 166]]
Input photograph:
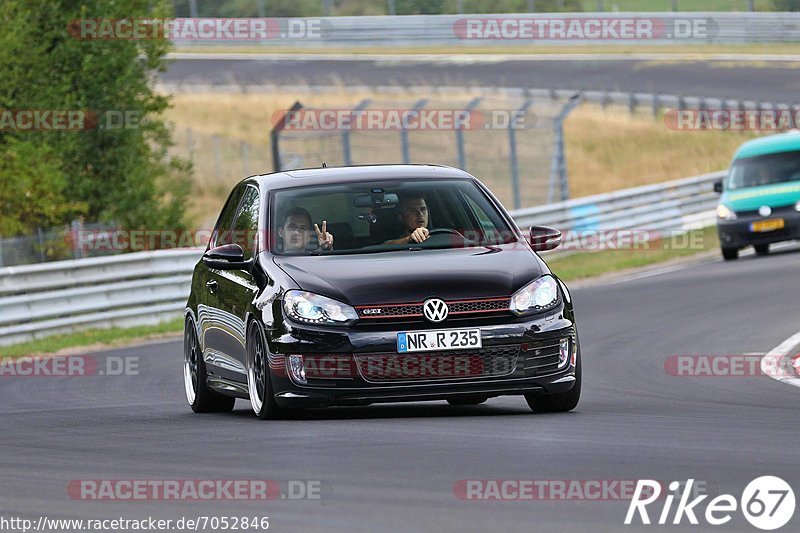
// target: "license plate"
[[443, 339], [767, 225]]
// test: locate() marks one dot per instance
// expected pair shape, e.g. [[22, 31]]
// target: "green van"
[[760, 202]]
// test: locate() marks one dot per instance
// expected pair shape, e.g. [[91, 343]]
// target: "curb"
[[779, 362]]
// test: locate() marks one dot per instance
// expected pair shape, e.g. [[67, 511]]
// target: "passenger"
[[296, 232]]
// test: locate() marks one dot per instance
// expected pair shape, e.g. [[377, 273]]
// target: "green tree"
[[786, 5], [122, 175]]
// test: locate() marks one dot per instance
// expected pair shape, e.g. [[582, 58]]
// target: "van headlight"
[[725, 213], [312, 308], [539, 295]]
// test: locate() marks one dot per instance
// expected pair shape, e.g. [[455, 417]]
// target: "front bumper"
[[738, 234], [529, 339]]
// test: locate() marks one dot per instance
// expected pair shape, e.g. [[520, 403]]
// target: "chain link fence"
[[510, 142]]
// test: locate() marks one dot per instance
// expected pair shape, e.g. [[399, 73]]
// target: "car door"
[[211, 316], [237, 288]]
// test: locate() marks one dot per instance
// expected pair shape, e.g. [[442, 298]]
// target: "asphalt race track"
[[393, 468], [769, 81]]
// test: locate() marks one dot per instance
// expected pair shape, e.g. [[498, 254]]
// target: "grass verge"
[[582, 265], [94, 338]]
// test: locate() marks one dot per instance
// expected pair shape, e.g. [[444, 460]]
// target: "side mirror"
[[544, 238], [718, 186], [226, 257]]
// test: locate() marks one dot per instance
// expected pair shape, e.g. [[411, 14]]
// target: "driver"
[[296, 232], [413, 213]]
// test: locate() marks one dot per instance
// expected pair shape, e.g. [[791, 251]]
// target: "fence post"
[[631, 103], [462, 156], [77, 248], [656, 104], [190, 143], [274, 136], [40, 237], [512, 148], [245, 158], [1, 252], [404, 133], [217, 157], [348, 158], [558, 166]]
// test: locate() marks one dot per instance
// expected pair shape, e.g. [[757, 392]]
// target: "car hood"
[[413, 276], [751, 198]]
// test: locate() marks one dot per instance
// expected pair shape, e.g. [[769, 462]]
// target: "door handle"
[[212, 286]]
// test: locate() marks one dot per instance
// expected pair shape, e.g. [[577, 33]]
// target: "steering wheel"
[[439, 231]]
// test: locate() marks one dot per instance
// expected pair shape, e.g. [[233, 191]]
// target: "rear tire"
[[466, 401], [201, 398], [259, 383], [730, 254], [561, 402], [762, 249]]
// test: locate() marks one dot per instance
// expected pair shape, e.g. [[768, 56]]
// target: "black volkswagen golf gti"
[[357, 285]]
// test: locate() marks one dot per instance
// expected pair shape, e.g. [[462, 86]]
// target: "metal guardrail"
[[431, 30], [148, 287]]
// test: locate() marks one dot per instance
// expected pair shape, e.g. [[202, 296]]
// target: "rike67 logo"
[[767, 503]]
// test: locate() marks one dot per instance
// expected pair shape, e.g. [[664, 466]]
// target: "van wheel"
[[729, 254], [762, 249]]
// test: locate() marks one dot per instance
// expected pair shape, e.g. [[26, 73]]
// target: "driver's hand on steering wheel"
[[419, 235]]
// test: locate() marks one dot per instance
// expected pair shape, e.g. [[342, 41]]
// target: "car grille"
[[775, 212], [413, 311], [393, 367], [540, 358]]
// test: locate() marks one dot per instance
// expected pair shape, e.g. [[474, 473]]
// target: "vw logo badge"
[[765, 210], [435, 310]]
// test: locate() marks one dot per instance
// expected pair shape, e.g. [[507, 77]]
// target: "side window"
[[222, 231], [245, 228], [486, 224]]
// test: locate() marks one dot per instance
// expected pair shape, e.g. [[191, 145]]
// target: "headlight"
[[315, 309], [797, 206], [535, 296], [725, 213]]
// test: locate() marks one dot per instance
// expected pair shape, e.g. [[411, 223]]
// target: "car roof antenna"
[[324, 164]]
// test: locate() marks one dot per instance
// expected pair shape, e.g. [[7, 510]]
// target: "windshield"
[[765, 170], [375, 217]]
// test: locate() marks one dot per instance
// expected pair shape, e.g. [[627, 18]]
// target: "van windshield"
[[381, 217], [765, 170]]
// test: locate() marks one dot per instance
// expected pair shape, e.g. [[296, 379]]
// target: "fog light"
[[563, 353], [296, 368]]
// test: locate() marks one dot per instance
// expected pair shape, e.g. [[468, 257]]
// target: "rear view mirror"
[[375, 201], [718, 186], [543, 238]]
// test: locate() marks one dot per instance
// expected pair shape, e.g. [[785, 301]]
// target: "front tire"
[[259, 384], [200, 397], [762, 249], [730, 254]]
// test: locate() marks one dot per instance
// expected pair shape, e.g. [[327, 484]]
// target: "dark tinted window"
[[222, 231], [765, 170]]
